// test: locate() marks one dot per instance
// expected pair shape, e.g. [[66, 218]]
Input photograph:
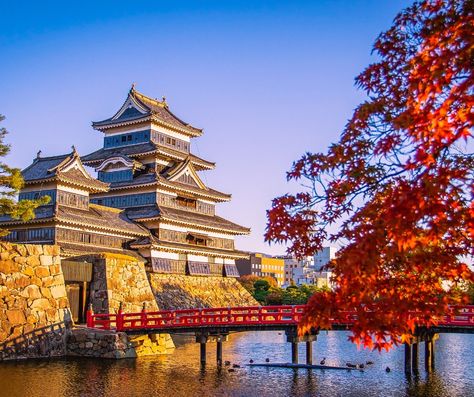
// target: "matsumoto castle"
[[148, 200]]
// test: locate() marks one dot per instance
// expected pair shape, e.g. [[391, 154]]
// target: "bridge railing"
[[251, 315]]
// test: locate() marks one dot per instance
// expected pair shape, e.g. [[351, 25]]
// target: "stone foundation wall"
[[85, 342], [34, 313], [185, 292], [120, 278]]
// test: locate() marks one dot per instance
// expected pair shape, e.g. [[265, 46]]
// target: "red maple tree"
[[398, 186]]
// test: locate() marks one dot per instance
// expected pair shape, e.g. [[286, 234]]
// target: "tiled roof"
[[151, 211], [216, 222], [149, 241], [157, 110], [71, 249], [194, 189], [102, 217], [97, 216], [186, 217], [143, 149], [40, 167], [59, 168]]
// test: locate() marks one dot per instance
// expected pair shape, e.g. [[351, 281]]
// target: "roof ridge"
[[141, 97]]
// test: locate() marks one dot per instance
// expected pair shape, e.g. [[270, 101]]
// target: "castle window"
[[115, 176], [36, 195], [186, 202], [127, 139]]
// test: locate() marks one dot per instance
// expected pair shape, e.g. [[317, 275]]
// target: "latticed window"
[[26, 235], [127, 139], [38, 194], [115, 176], [132, 200]]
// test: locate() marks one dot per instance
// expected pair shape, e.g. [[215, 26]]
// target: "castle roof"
[[145, 149], [96, 216], [188, 218], [152, 241], [139, 107], [65, 168]]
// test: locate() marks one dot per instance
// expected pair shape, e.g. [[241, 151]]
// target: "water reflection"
[[180, 374]]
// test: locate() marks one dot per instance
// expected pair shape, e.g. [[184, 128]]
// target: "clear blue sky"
[[267, 80]]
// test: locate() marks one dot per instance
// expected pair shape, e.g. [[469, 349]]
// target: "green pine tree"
[[11, 181]]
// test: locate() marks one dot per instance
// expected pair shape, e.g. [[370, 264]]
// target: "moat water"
[[179, 374]]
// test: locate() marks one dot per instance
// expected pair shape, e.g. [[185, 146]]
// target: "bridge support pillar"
[[293, 338], [407, 359], [294, 352], [428, 355], [203, 353], [414, 357], [219, 352], [309, 352]]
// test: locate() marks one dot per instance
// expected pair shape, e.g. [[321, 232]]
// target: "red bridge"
[[460, 319], [215, 324]]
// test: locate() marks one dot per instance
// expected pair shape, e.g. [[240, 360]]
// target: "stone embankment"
[[34, 312], [120, 279], [85, 342], [186, 292]]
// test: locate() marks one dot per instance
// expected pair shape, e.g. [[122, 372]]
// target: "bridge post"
[[407, 359], [90, 317], [309, 352], [428, 355], [119, 318], [433, 351], [414, 357], [219, 351], [203, 353], [294, 352], [202, 340]]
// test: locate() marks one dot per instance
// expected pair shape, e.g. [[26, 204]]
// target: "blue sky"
[[266, 80]]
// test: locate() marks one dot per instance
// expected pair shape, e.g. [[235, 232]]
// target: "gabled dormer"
[[185, 173], [63, 178], [118, 169]]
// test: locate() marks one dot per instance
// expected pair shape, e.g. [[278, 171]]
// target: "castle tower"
[[153, 175]]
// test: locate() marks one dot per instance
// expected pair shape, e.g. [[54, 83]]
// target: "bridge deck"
[[238, 319]]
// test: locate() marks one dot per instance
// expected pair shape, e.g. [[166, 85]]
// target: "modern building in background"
[[263, 265], [309, 270], [323, 257], [287, 270]]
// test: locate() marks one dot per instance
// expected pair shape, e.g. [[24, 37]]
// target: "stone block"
[[46, 260], [58, 291], [33, 260], [41, 303], [5, 266], [21, 249], [28, 271], [32, 292], [42, 271], [34, 249], [63, 303], [16, 317], [48, 281], [31, 319], [20, 260], [54, 270]]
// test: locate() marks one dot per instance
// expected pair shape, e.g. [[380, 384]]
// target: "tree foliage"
[[11, 182], [268, 293], [398, 186]]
